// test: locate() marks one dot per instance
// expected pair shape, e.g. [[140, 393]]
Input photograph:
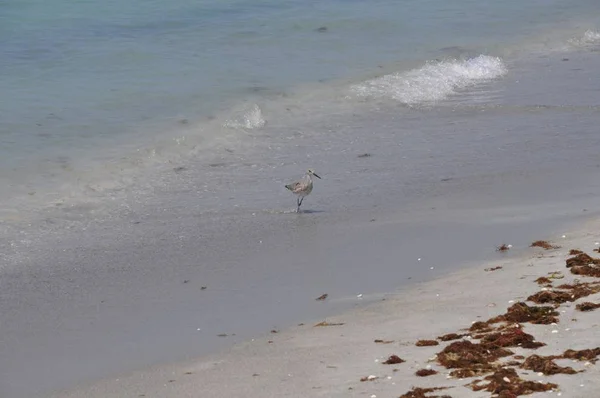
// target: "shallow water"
[[95, 95], [481, 129]]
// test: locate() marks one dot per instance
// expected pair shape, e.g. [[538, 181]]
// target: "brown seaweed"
[[506, 383], [425, 372], [544, 245], [426, 343], [546, 365]]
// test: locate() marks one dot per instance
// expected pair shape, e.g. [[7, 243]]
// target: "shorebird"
[[303, 187]]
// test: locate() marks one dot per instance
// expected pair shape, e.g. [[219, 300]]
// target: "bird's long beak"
[[317, 176]]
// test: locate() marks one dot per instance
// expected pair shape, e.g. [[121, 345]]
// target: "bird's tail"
[[290, 187]]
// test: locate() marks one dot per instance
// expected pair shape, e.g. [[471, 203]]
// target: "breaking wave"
[[250, 118], [434, 81]]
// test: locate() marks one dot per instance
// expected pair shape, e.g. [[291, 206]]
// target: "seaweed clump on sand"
[[451, 336], [522, 313], [546, 365], [582, 259], [418, 392], [513, 337], [544, 245], [567, 293], [590, 355], [542, 280], [481, 327], [587, 306], [425, 372], [426, 343], [550, 296], [583, 264], [506, 383], [574, 252], [503, 248], [470, 359], [393, 359]]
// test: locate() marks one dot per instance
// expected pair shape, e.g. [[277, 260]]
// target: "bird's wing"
[[293, 186], [297, 186]]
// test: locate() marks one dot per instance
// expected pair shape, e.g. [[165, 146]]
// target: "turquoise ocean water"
[[92, 93]]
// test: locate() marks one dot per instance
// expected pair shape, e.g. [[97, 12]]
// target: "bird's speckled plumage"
[[302, 187]]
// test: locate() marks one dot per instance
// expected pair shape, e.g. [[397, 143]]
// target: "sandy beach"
[[523, 324], [191, 280]]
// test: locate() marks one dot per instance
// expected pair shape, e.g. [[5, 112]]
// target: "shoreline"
[[85, 188], [331, 361], [97, 297]]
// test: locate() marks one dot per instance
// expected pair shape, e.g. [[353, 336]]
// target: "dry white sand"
[[309, 361]]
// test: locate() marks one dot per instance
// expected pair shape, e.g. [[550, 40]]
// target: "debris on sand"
[[567, 293], [522, 313], [426, 343], [467, 355], [364, 155], [418, 392], [493, 269], [581, 259], [379, 341], [544, 245], [503, 247], [587, 306], [322, 297], [574, 252], [451, 336], [555, 275], [425, 372], [507, 383], [586, 270], [546, 365], [393, 359], [481, 327], [369, 378], [514, 337], [590, 355], [547, 296], [542, 280], [325, 323]]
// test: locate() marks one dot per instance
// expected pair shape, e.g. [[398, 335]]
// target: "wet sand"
[[346, 355]]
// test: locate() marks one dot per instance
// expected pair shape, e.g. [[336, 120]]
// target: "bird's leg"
[[300, 200], [298, 203]]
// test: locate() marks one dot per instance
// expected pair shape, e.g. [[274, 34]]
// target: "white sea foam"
[[248, 118], [589, 37], [434, 81]]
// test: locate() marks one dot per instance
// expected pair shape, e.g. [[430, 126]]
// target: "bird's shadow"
[[309, 211]]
